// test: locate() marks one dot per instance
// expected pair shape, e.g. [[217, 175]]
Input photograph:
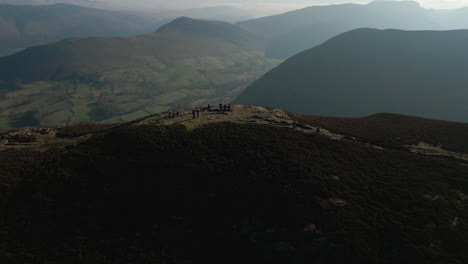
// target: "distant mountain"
[[367, 71], [252, 185], [182, 38], [22, 26], [296, 31], [89, 3], [77, 80], [221, 13]]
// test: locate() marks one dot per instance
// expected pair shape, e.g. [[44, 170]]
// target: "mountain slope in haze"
[[221, 13], [25, 26], [182, 38], [368, 71], [296, 31], [186, 62], [240, 186]]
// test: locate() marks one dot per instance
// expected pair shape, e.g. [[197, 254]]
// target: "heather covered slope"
[[186, 62], [254, 189], [23, 26], [367, 71], [383, 129]]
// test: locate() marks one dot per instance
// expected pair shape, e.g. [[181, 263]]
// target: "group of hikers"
[[174, 114], [196, 111], [222, 108]]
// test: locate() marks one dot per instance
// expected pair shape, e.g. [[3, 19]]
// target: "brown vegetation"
[[81, 130], [230, 193], [384, 129]]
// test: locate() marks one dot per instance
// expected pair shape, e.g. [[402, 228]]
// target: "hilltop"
[[368, 71], [254, 183], [108, 80], [23, 26]]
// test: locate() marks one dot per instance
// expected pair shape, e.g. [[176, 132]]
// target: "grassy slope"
[[255, 193], [120, 79]]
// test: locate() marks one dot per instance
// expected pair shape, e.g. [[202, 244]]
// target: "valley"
[[122, 95], [185, 63]]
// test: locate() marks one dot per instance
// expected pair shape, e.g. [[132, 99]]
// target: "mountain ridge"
[[311, 26], [25, 26]]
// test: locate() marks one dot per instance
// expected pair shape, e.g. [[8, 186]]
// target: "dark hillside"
[[231, 193], [382, 129], [367, 71]]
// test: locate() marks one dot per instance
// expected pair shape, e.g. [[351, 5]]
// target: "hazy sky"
[[266, 5], [277, 4]]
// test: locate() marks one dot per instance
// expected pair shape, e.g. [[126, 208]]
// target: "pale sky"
[[265, 5], [275, 4]]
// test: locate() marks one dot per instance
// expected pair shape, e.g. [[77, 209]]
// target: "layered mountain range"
[[190, 62], [295, 31], [25, 26]]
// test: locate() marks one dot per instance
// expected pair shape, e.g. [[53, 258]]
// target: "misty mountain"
[[88, 3], [119, 79], [22, 26], [367, 71], [221, 13], [292, 32], [182, 38]]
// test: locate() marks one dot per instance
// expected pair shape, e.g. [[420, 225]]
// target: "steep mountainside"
[[370, 71], [26, 26], [79, 80], [296, 31], [250, 185]]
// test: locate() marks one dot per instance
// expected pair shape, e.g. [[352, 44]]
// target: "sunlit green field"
[[125, 94]]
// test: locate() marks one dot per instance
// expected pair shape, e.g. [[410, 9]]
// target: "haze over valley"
[[117, 79], [186, 62]]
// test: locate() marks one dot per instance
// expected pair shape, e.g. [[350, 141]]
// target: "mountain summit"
[[212, 29]]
